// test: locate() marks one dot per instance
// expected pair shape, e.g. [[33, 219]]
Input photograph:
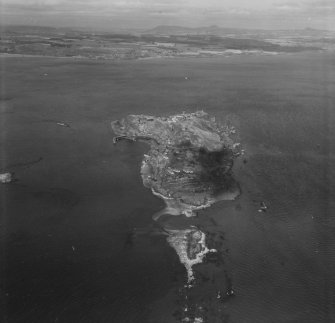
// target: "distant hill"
[[179, 30], [36, 30], [29, 29], [166, 30]]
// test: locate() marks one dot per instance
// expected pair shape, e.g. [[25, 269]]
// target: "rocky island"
[[190, 158], [190, 245]]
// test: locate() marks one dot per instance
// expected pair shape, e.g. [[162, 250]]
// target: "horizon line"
[[163, 25]]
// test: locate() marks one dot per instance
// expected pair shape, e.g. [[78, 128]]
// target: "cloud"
[[310, 7], [321, 7], [287, 7]]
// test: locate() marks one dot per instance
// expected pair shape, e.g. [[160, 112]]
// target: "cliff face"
[[190, 158]]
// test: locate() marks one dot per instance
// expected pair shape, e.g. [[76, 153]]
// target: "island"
[[190, 160], [190, 245], [189, 165]]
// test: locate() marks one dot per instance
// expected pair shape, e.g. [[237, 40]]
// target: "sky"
[[145, 14]]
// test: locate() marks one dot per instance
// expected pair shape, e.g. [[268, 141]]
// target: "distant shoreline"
[[197, 56]]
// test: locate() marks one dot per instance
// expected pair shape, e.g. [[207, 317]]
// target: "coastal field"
[[79, 241]]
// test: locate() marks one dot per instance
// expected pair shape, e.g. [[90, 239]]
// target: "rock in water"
[[190, 158], [6, 178], [190, 245]]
